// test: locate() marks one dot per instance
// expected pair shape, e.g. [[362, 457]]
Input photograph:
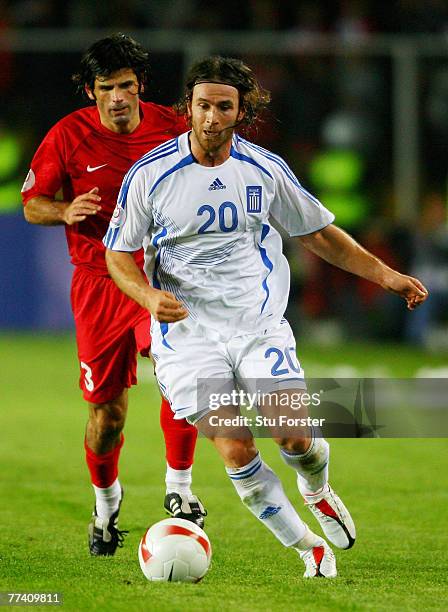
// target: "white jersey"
[[206, 232]]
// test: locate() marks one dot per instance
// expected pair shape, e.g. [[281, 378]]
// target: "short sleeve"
[[132, 217], [293, 207], [48, 167]]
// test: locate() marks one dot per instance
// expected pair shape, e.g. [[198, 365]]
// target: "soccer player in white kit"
[[201, 206]]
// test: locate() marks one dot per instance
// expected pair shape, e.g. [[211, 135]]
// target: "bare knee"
[[298, 445], [235, 453]]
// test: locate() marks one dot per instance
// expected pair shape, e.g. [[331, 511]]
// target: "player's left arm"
[[340, 249]]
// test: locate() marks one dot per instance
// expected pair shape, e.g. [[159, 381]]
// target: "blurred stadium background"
[[360, 111]]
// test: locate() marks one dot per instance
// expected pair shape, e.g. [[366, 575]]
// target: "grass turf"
[[396, 490]]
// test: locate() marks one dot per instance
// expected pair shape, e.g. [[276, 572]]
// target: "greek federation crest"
[[253, 198]]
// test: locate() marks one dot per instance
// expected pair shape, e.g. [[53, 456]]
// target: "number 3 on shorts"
[[87, 376]]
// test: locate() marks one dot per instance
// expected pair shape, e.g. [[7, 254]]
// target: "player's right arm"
[[50, 170], [131, 221], [42, 210], [162, 305]]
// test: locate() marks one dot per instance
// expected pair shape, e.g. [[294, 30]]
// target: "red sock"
[[180, 438], [103, 468]]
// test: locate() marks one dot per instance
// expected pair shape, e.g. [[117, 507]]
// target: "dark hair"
[[228, 71], [110, 54]]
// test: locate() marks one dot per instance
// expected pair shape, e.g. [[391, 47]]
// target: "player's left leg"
[[269, 362], [309, 454]]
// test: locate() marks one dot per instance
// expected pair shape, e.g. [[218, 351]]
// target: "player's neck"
[[126, 127], [207, 157]]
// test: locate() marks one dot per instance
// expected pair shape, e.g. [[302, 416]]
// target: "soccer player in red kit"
[[86, 155]]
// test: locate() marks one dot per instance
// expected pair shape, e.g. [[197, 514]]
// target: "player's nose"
[[117, 94], [211, 116]]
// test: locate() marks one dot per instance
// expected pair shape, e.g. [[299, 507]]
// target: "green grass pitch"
[[396, 490]]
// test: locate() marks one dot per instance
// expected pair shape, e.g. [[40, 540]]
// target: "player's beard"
[[123, 118], [214, 143]]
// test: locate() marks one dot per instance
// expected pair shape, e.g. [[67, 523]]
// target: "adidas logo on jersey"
[[217, 184]]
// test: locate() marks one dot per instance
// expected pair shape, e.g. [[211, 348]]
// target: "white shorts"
[[189, 365]]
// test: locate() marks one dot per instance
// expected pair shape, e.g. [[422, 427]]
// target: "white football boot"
[[333, 516], [318, 557]]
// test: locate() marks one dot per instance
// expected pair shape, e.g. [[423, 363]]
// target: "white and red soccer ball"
[[174, 550]]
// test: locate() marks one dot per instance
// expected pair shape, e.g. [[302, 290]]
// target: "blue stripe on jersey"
[[107, 237], [249, 160], [164, 331], [159, 236], [156, 284], [246, 473], [186, 161], [267, 262], [282, 164], [111, 236], [163, 148], [155, 243], [144, 161], [198, 258]]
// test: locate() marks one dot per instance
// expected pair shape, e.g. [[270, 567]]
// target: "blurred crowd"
[[331, 117], [347, 18]]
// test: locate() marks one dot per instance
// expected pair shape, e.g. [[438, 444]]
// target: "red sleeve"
[[48, 167], [177, 123], [181, 124]]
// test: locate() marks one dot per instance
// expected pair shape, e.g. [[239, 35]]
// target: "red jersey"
[[78, 154]]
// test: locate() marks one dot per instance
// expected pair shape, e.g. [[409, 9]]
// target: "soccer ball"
[[174, 550]]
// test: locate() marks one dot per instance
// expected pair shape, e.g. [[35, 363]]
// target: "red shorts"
[[110, 330]]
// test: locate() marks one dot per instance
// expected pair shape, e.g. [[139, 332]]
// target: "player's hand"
[[83, 206], [165, 307], [407, 287]]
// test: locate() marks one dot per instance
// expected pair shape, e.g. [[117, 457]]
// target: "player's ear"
[[89, 92], [241, 114]]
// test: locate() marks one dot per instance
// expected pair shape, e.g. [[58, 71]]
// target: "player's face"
[[214, 111], [117, 97]]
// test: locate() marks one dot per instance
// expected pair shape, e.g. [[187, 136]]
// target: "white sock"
[[178, 481], [309, 540], [311, 467], [107, 500], [261, 491]]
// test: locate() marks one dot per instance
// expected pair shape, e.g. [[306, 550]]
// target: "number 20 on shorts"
[[280, 356]]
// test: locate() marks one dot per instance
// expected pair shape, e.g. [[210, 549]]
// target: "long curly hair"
[[228, 71]]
